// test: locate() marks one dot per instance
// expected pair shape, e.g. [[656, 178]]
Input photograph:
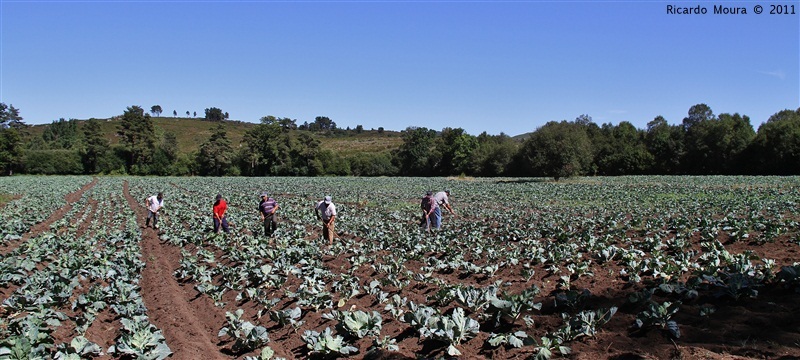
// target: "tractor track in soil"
[[188, 322]]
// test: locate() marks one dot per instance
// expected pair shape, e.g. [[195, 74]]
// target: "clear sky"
[[495, 66]]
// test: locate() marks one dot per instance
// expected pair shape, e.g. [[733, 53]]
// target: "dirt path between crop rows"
[[189, 323], [43, 226]]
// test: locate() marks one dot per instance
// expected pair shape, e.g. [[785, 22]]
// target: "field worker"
[[428, 206], [442, 199], [268, 206], [153, 205], [220, 206], [326, 211]]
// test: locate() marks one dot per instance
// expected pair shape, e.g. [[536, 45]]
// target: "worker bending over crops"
[[428, 206], [220, 206], [442, 200], [153, 205], [268, 206]]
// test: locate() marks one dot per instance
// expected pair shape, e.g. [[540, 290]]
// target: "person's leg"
[[266, 226], [325, 233], [147, 220], [331, 232], [216, 225], [155, 220], [273, 224], [225, 224], [437, 218]]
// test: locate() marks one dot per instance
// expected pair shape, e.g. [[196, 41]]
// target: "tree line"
[[702, 144]]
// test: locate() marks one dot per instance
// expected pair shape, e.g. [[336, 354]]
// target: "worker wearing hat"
[[442, 199], [267, 207], [326, 211], [428, 206]]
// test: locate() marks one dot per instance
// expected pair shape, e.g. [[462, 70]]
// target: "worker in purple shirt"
[[428, 206], [267, 207]]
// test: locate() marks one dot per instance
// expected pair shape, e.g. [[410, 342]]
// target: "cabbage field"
[[587, 268]]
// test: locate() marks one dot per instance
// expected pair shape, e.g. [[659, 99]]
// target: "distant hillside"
[[522, 137], [191, 132]]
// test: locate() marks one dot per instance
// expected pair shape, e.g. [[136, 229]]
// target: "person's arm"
[[274, 209]]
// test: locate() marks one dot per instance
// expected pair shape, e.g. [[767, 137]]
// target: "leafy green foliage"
[[659, 315], [516, 339], [360, 323], [246, 335], [326, 343], [141, 339]]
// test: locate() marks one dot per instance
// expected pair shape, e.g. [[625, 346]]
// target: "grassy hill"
[[191, 132]]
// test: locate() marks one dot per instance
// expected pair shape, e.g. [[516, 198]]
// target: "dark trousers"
[[270, 224], [153, 215], [223, 222]]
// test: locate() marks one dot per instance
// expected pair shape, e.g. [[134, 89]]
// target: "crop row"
[[515, 246], [518, 271], [86, 266]]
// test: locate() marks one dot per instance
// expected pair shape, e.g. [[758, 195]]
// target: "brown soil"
[[188, 322], [766, 327], [43, 226]]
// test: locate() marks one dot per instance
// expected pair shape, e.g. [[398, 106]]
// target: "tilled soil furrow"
[[45, 225], [189, 323]]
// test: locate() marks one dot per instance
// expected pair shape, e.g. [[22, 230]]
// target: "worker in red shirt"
[[219, 214]]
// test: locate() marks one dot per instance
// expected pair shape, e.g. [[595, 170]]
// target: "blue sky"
[[495, 66]]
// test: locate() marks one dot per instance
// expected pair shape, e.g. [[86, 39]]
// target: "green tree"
[[714, 145], [558, 149], [372, 164], [417, 155], [95, 146], [776, 146], [665, 142], [137, 134], [216, 155], [494, 154], [322, 123], [9, 117], [274, 148], [61, 134], [166, 154], [624, 152], [52, 162], [169, 144], [214, 114], [455, 147], [10, 140], [697, 114], [156, 110]]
